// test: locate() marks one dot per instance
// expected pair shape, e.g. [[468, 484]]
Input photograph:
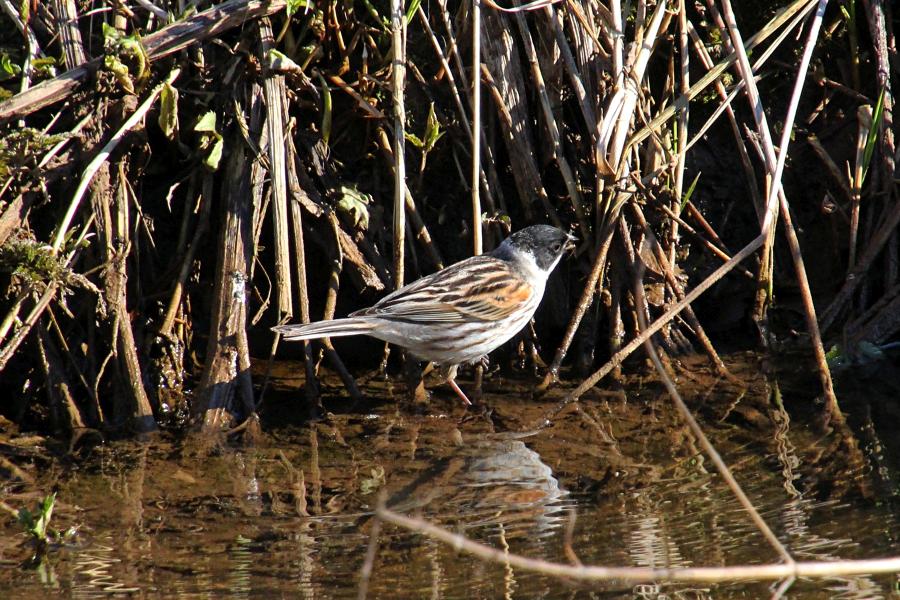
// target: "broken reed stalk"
[[59, 393], [66, 13], [764, 572], [587, 297], [775, 168], [187, 262], [227, 369], [334, 283], [114, 235]]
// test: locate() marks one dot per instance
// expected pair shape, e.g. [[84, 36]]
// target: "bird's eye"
[[557, 247]]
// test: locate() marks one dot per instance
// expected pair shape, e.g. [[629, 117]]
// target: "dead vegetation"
[[178, 180]]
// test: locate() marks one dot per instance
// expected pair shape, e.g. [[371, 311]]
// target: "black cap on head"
[[544, 242]]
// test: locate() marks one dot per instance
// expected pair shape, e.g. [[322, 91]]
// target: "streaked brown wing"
[[481, 287]]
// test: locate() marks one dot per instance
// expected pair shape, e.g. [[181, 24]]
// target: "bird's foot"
[[452, 383]]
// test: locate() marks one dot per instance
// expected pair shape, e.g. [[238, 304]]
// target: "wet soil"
[[288, 512]]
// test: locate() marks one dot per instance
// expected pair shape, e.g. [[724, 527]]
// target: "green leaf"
[[432, 129], [279, 61], [872, 137], [8, 67], [414, 140], [168, 111], [207, 123], [45, 66], [690, 191], [43, 523], [120, 71], [215, 155], [355, 205], [411, 11], [295, 5], [110, 33]]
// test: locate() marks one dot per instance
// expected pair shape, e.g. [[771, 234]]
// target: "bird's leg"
[[450, 377], [415, 380]]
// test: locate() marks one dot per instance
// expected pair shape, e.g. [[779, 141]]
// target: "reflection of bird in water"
[[485, 482], [462, 312]]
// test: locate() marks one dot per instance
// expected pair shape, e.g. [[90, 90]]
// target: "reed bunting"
[[462, 312]]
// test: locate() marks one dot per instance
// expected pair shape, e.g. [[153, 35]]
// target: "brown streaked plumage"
[[462, 312]]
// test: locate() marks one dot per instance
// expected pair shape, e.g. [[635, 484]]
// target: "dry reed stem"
[[275, 99], [695, 428], [66, 13], [785, 15], [334, 283], [584, 302], [418, 225], [187, 262], [715, 250], [510, 98], [765, 572], [776, 191], [678, 290], [683, 118], [587, 111], [491, 174], [477, 244], [398, 73], [311, 388], [58, 390], [888, 224], [837, 178], [568, 175], [726, 98], [116, 238], [227, 371], [620, 110], [664, 319]]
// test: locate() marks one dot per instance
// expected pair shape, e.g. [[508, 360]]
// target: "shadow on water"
[[290, 515]]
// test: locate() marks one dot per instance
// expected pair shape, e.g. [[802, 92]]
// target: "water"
[[291, 514]]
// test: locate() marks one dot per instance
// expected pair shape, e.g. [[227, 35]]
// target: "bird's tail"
[[335, 328]]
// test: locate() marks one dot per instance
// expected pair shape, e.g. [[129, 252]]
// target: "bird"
[[462, 312]]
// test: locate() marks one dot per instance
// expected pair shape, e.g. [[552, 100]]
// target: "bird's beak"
[[570, 242]]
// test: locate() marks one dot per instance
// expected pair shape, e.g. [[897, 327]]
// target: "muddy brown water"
[[289, 515]]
